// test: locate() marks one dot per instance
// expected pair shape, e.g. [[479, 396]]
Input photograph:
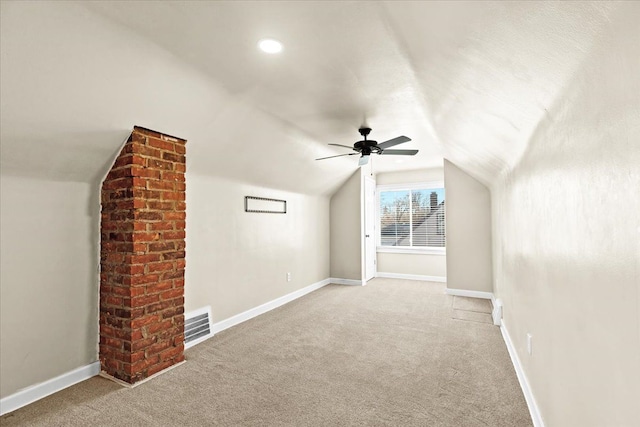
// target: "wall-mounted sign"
[[264, 205]]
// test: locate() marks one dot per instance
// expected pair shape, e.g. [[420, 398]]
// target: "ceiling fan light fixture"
[[363, 160], [270, 46]]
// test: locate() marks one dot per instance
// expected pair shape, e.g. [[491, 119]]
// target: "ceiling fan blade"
[[394, 141], [363, 160], [399, 152], [340, 145], [339, 155]]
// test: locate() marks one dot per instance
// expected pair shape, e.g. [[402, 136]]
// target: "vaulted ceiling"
[[468, 81]]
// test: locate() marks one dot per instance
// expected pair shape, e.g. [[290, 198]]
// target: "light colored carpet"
[[387, 354]]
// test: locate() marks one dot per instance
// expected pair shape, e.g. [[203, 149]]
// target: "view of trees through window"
[[412, 218]]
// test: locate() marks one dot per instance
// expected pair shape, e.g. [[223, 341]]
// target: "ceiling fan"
[[366, 147]]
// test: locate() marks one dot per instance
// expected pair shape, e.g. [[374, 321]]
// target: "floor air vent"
[[197, 326]]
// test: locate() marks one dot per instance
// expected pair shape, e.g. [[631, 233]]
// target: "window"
[[411, 218]]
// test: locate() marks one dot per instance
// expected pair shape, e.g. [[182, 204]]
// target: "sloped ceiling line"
[[465, 80]]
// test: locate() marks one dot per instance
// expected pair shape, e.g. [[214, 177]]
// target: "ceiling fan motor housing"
[[366, 147]]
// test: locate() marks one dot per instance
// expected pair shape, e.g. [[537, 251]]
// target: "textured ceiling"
[[468, 81]]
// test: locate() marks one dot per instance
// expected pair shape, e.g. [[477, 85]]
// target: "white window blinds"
[[412, 218]]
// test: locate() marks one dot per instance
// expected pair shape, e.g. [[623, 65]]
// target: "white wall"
[[346, 223], [469, 265], [49, 280], [567, 242], [408, 177], [414, 264], [238, 260]]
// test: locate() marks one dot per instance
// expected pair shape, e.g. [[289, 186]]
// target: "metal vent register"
[[197, 326]]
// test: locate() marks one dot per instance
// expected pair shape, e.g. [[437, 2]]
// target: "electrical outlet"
[[288, 277], [529, 338]]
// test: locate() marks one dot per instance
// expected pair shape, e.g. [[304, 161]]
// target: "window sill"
[[407, 250]]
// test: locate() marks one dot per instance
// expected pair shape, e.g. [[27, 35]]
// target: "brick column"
[[142, 257]]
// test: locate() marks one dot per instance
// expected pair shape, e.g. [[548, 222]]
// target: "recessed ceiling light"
[[270, 46]]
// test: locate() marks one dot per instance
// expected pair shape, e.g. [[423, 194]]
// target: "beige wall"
[[238, 260], [48, 280], [346, 222], [468, 231], [49, 284], [567, 243], [61, 148], [414, 264]]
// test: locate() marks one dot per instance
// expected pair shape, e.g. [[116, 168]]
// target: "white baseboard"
[[36, 392], [496, 313], [470, 294], [350, 282], [268, 306], [440, 279], [536, 417]]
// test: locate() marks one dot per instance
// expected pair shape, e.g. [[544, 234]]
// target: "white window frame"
[[404, 249]]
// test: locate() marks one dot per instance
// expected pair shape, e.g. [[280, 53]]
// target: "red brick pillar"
[[142, 257]]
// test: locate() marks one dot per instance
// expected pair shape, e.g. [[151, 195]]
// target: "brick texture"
[[142, 257]]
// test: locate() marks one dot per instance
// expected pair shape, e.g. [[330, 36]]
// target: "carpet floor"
[[392, 353]]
